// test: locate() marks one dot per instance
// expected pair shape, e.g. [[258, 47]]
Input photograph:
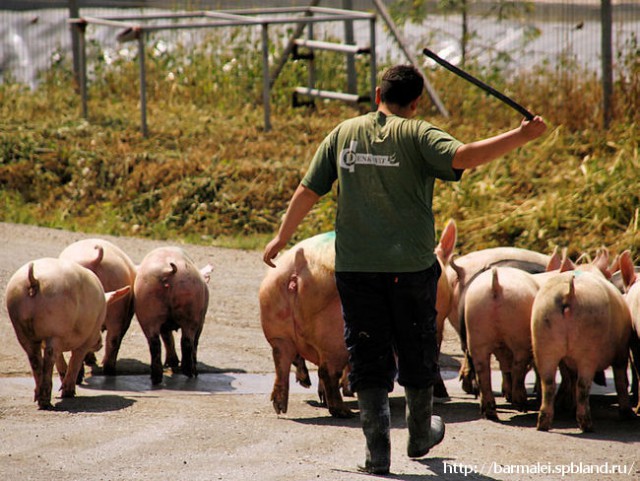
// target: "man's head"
[[401, 85]]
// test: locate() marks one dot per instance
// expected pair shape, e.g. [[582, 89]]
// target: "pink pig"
[[170, 294], [301, 317], [632, 297], [462, 272], [114, 269], [580, 319], [497, 313], [56, 305]]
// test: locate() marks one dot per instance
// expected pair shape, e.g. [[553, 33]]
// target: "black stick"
[[510, 102]]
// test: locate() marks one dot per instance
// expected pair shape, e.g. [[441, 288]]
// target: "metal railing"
[[137, 27]]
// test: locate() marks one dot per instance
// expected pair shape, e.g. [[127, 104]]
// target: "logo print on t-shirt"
[[349, 158]]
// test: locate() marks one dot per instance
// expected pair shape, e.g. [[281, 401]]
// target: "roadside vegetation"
[[208, 173]]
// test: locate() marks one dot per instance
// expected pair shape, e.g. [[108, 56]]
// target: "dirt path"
[[222, 425]]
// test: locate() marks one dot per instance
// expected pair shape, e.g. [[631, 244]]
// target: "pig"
[[115, 269], [301, 317], [497, 313], [170, 294], [56, 305], [581, 319], [631, 285], [461, 273]]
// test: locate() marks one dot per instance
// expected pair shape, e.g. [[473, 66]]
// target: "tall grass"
[[209, 173]]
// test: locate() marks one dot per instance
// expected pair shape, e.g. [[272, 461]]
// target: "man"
[[386, 271]]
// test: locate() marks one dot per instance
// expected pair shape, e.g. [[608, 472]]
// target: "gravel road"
[[221, 426]]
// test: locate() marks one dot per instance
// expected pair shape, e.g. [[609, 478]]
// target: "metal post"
[[143, 84], [607, 63], [74, 12], [374, 67], [352, 81], [82, 66], [312, 62], [265, 77]]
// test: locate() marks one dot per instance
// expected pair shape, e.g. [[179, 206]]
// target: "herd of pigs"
[[529, 310]]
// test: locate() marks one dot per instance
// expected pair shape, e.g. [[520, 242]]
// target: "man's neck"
[[392, 109]]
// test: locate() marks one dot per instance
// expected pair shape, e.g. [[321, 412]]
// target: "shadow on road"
[[94, 404]]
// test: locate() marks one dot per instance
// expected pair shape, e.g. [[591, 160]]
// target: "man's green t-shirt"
[[386, 167]]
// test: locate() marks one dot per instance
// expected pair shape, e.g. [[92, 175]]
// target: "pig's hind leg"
[[302, 373], [622, 388], [284, 353], [76, 365], [482, 359], [330, 380], [583, 410], [171, 356], [519, 368], [547, 368]]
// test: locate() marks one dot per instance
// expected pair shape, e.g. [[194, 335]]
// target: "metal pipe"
[[265, 78], [143, 85], [373, 65], [331, 46], [82, 64]]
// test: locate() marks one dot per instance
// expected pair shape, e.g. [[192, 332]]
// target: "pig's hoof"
[[627, 414], [280, 404], [586, 428], [520, 406], [280, 408], [490, 415], [585, 423], [544, 422], [68, 393], [109, 370], [45, 405], [304, 381], [341, 413], [90, 359]]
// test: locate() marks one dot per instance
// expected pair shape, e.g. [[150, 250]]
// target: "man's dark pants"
[[388, 315]]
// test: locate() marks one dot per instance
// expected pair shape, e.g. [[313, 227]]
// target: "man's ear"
[[414, 106], [378, 96]]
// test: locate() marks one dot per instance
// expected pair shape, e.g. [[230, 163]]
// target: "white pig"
[[115, 269], [498, 312], [463, 272], [56, 305], [170, 294], [581, 319], [301, 317]]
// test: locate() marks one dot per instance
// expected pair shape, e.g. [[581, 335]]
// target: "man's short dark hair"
[[401, 85]]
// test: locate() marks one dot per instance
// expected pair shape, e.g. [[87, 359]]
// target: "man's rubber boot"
[[425, 429], [376, 419]]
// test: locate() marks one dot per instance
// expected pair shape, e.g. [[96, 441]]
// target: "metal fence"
[[511, 35]]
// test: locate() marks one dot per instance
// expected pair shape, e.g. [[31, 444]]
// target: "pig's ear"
[[116, 295], [206, 272], [447, 243], [615, 265], [602, 262], [555, 261], [627, 270], [566, 264]]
